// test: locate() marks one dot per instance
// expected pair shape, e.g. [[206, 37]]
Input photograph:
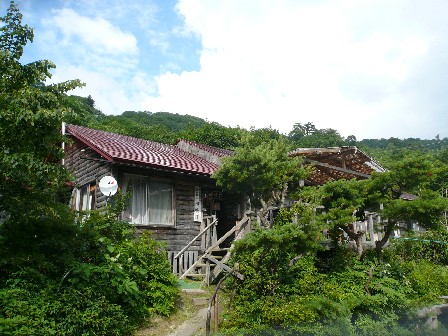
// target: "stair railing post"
[[216, 316], [209, 236], [203, 239], [181, 264], [215, 234]]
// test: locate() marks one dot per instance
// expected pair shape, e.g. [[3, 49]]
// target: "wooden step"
[[200, 301], [221, 249], [195, 275], [204, 265], [193, 291]]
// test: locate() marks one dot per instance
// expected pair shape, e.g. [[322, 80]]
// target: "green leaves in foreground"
[[92, 277], [293, 288]]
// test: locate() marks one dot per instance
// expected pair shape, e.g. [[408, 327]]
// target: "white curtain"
[[151, 202], [86, 198], [160, 203], [82, 198], [137, 212]]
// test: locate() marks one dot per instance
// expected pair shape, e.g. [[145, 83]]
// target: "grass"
[[189, 284]]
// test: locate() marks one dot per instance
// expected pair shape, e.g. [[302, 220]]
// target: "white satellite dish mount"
[[108, 186]]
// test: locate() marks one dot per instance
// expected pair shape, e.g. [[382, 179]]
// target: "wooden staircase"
[[213, 260]]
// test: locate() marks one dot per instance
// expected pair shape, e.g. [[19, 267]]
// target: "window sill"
[[154, 226]]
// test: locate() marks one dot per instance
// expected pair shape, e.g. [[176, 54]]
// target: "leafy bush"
[[430, 246], [90, 277], [37, 311], [292, 288]]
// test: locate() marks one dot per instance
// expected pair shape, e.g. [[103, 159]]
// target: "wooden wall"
[[88, 166], [185, 228]]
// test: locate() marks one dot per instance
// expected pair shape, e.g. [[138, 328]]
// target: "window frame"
[[148, 180], [86, 190]]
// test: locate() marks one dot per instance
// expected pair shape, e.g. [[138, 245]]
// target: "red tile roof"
[[121, 148]]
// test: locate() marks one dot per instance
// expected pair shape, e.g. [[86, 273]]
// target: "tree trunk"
[[357, 237], [263, 212], [379, 244], [283, 195], [359, 244]]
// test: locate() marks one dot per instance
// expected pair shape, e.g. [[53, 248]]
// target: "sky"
[[370, 68]]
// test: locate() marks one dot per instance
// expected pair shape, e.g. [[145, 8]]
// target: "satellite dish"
[[108, 185]]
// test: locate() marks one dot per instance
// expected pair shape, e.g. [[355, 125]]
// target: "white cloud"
[[111, 96], [101, 55], [97, 33], [277, 63], [159, 40], [372, 68]]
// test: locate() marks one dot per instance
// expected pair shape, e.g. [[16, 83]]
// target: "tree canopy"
[[308, 136], [263, 171], [31, 113], [61, 272]]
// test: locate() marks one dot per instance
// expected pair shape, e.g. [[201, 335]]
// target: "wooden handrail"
[[238, 226], [194, 239]]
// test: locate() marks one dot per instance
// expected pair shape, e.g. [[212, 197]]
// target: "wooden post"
[[203, 237], [181, 264], [216, 313], [215, 235], [212, 299], [207, 273]]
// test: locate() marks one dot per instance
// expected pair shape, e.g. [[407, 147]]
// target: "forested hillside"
[[167, 127]]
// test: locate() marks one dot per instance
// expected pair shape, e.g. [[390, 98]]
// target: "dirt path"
[[194, 326], [187, 320]]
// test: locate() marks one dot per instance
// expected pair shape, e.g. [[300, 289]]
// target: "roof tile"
[[119, 148]]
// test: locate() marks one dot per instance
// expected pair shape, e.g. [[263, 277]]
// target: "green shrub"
[[91, 277], [430, 246], [427, 280], [33, 311], [290, 288]]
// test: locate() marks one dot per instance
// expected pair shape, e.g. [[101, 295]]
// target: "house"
[[335, 163], [348, 162], [171, 189]]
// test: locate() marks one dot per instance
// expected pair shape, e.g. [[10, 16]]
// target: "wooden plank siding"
[[185, 229], [88, 166]]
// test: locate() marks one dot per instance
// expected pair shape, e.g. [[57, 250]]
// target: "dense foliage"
[[89, 276], [295, 287], [294, 283], [308, 136], [62, 273], [30, 119]]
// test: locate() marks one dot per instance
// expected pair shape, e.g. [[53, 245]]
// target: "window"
[[151, 201], [83, 198]]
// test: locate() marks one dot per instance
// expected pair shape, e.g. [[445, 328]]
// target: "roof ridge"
[[208, 148]]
